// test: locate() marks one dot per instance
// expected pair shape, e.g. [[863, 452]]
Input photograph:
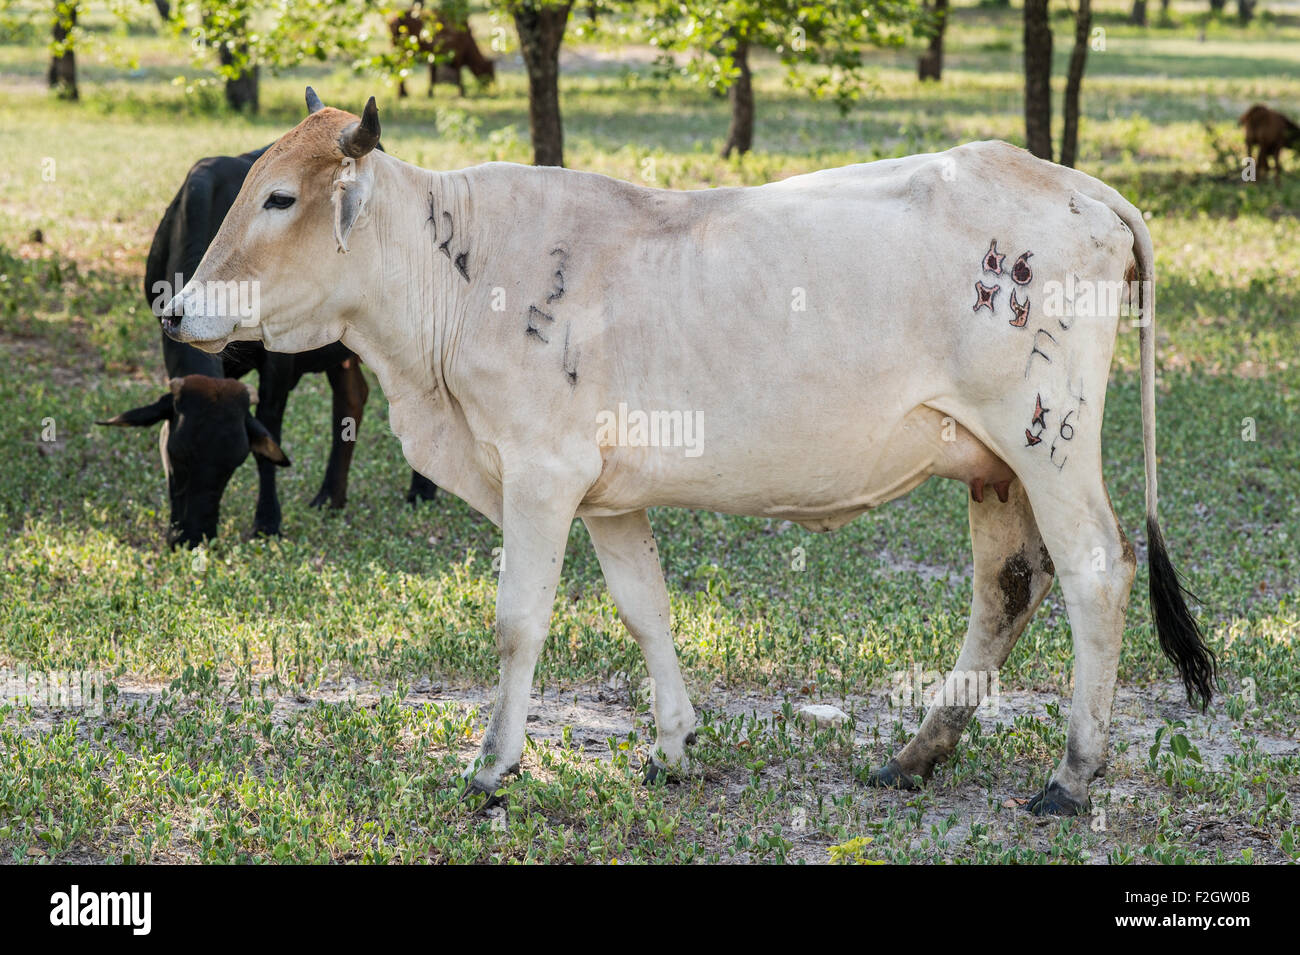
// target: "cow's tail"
[[1180, 635]]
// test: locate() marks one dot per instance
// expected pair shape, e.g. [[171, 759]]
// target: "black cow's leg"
[[272, 396], [348, 384], [421, 489]]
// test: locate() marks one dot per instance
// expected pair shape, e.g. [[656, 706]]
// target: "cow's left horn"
[[359, 138], [314, 105]]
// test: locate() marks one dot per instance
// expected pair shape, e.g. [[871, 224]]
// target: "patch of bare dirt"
[[1126, 802]]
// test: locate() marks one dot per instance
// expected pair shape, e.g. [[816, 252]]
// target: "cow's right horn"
[[359, 138], [314, 105]]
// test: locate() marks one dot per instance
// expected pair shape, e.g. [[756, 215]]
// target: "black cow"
[[208, 427]]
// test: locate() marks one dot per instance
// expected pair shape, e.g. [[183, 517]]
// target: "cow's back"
[[827, 276]]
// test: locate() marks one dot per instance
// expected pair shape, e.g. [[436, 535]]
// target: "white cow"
[[835, 340]]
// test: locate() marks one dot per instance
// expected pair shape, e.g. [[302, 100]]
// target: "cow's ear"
[[351, 193], [160, 410], [261, 442]]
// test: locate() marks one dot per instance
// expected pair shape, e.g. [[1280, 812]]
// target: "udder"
[[960, 456]]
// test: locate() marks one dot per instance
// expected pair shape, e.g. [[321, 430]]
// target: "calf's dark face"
[[207, 433]]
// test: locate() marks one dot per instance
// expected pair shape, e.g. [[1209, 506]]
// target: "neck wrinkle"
[[416, 321], [450, 193]]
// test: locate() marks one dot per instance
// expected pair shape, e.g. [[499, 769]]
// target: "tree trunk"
[[541, 30], [930, 64], [1245, 11], [1074, 83], [1138, 17], [1216, 6], [63, 61], [740, 136], [1038, 79], [164, 9], [241, 90]]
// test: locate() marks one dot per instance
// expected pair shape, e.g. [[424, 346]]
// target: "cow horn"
[[174, 385], [314, 105], [359, 138], [252, 393]]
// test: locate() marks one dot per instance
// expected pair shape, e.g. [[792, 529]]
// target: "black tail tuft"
[[1180, 635]]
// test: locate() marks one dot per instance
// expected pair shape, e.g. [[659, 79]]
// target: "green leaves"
[[831, 36], [276, 35], [1174, 760]]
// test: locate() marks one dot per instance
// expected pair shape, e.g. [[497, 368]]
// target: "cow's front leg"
[[536, 515], [273, 395], [421, 489], [1012, 575], [349, 392], [629, 559]]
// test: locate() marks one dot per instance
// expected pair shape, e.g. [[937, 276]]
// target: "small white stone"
[[821, 714]]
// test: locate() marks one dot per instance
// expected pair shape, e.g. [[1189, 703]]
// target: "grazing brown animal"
[[436, 33], [1271, 132]]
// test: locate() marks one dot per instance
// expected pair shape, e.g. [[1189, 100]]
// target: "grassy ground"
[[313, 698]]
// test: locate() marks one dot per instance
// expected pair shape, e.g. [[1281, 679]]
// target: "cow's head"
[[306, 200], [207, 432]]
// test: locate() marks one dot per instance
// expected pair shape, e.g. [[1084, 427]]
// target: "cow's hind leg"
[[1012, 575], [1096, 566], [629, 559]]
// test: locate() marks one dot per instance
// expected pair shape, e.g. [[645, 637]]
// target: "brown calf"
[[1271, 132], [436, 33]]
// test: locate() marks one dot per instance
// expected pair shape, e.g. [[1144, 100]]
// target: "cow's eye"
[[277, 200]]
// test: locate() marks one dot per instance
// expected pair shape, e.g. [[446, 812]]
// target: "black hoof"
[[475, 790], [891, 776], [324, 499], [266, 530], [652, 772], [690, 739], [1054, 801]]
